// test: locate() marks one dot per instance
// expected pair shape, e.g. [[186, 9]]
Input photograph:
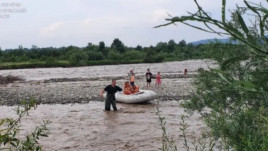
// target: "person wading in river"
[[110, 96], [132, 79], [148, 76]]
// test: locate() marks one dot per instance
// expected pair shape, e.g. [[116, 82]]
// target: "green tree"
[[151, 56], [171, 46], [161, 46], [1, 55], [118, 45], [236, 92], [134, 55], [20, 47], [114, 55], [95, 55], [182, 43], [34, 47], [79, 58], [102, 48], [139, 47], [89, 45]]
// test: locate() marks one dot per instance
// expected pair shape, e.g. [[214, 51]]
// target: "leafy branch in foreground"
[[236, 93], [200, 143], [245, 34], [9, 128], [167, 143]]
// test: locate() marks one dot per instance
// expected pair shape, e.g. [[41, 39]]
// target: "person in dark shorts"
[[185, 72], [148, 76], [110, 96], [132, 79]]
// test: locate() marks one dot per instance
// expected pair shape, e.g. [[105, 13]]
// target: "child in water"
[[158, 80]]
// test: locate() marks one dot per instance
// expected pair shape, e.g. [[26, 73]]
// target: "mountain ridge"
[[215, 40]]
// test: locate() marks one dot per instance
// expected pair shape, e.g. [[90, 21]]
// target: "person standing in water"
[[110, 96], [158, 80], [132, 79], [130, 72], [148, 76], [185, 72]]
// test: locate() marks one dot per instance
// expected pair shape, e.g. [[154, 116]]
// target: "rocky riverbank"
[[83, 84], [69, 98], [83, 91]]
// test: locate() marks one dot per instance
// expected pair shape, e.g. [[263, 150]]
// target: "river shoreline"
[[83, 84], [69, 98]]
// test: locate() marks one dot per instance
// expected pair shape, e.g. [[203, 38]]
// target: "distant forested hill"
[[209, 41], [116, 53]]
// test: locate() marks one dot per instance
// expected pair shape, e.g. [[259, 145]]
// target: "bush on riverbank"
[[236, 94], [10, 128]]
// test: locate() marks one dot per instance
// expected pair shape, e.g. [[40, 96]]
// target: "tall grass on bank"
[[237, 92], [167, 143], [199, 143], [10, 128]]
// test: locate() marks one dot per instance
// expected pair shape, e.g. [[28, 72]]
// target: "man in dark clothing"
[[148, 76], [110, 96]]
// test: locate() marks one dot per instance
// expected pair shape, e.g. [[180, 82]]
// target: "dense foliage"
[[100, 54], [235, 94], [10, 129]]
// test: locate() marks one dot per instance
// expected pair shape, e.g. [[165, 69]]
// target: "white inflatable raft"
[[140, 97]]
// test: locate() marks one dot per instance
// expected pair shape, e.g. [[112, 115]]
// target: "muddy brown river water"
[[69, 98], [86, 127]]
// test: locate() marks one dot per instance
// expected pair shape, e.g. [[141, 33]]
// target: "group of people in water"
[[131, 88], [149, 77]]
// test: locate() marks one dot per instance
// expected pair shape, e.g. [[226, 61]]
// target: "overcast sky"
[[59, 23]]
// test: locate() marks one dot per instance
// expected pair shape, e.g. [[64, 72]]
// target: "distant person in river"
[[128, 89], [158, 80], [132, 79], [130, 73], [185, 72], [110, 96], [148, 76]]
